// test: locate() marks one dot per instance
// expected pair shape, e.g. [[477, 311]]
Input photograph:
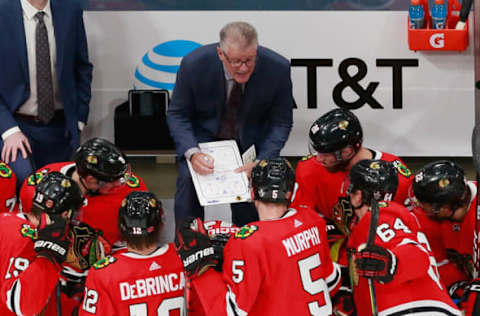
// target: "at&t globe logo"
[[158, 67]]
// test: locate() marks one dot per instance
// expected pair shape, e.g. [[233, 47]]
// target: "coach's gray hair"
[[241, 33]]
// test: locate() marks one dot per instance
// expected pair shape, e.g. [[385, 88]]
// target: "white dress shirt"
[[30, 107]]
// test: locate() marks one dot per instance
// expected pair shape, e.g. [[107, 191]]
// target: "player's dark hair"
[[142, 242]]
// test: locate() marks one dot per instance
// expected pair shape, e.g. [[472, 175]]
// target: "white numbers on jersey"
[[324, 306], [237, 273], [386, 233], [168, 305], [90, 300], [432, 269], [10, 203], [15, 266]]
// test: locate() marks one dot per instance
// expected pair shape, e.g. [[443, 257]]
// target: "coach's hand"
[[17, 142], [202, 163]]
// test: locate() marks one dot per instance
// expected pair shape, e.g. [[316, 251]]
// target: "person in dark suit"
[[234, 89], [44, 83]]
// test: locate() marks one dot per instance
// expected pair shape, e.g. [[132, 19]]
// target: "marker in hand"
[[202, 163]]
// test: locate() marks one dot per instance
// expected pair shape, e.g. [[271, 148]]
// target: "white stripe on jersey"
[[422, 308], [232, 306], [14, 294], [333, 279]]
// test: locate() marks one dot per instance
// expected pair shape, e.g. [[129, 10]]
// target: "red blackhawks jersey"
[[416, 286], [99, 211], [8, 187], [131, 284], [26, 281], [324, 191], [273, 267], [446, 234]]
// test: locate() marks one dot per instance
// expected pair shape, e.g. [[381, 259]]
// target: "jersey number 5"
[[314, 287]]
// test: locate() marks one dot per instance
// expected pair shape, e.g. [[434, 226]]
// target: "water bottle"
[[439, 15], [416, 14]]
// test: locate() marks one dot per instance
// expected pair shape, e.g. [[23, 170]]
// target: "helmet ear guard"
[[273, 180]]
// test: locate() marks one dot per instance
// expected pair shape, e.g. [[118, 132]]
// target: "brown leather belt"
[[58, 116]]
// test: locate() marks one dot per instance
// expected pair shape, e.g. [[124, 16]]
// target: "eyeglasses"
[[249, 62]]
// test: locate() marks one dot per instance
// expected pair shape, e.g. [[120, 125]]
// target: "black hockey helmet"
[[57, 193], [375, 179], [140, 214], [335, 130], [102, 159], [441, 183], [273, 180]]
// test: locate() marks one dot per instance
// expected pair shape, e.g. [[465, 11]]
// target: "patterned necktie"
[[44, 72], [228, 125]]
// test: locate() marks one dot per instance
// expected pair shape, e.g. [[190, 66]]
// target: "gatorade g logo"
[[437, 40]]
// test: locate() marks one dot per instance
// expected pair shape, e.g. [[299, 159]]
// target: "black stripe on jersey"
[[423, 309], [335, 280], [12, 297], [476, 306], [233, 306]]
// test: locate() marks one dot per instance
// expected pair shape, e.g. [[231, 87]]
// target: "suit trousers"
[[186, 201], [50, 143]]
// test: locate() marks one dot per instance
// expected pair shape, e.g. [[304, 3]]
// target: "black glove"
[[218, 242], [457, 289], [470, 301], [376, 262], [72, 282], [194, 247], [343, 304], [463, 262], [52, 241]]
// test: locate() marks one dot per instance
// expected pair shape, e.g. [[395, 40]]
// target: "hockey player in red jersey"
[[445, 206], [8, 187], [336, 138], [147, 279], [102, 172], [403, 269], [279, 265], [34, 245]]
